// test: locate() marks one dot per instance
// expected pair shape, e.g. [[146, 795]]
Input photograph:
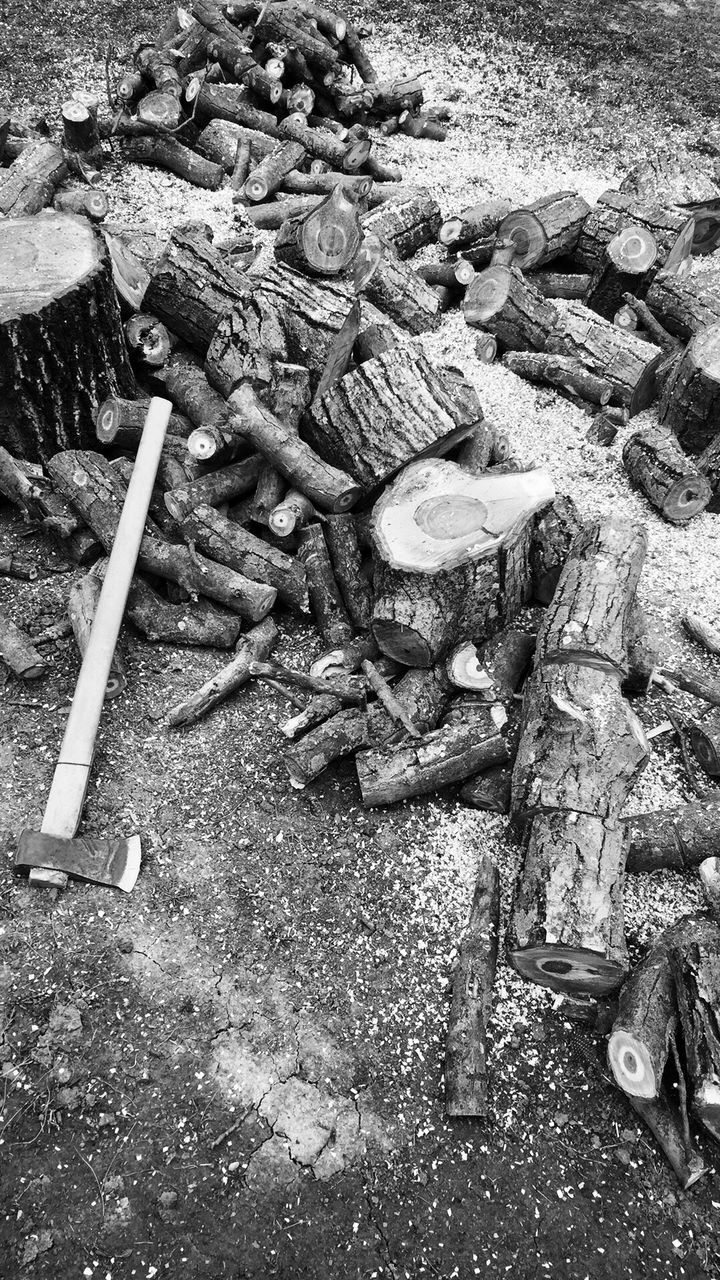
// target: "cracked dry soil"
[[236, 1071]]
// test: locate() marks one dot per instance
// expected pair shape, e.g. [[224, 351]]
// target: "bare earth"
[[237, 1070]]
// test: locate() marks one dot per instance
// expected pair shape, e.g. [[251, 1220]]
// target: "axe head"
[[110, 861]]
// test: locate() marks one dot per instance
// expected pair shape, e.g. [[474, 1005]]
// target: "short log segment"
[[685, 306], [82, 605], [18, 652], [231, 545], [194, 623], [696, 971], [325, 241], [671, 229], [675, 838], [326, 602], [266, 178], [220, 139], [581, 747], [665, 475], [549, 228], [388, 411], [626, 361], [30, 182], [253, 647], [566, 926], [451, 754], [626, 266], [561, 372], [311, 313], [553, 532], [473, 979], [587, 621], [501, 300], [473, 224], [215, 488], [58, 313], [397, 290], [192, 287], [405, 225], [690, 401], [345, 554], [167, 153]]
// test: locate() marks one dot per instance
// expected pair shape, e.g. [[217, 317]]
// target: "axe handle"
[[67, 790]]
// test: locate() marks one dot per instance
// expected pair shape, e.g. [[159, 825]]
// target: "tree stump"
[[690, 401], [502, 301], [669, 479], [59, 314]]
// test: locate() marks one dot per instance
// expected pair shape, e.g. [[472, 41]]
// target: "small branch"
[[391, 704], [344, 690]]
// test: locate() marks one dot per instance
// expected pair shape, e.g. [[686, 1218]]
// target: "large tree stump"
[[690, 401], [685, 305], [566, 927], [548, 228], [439, 536], [619, 356], [62, 350], [668, 478], [388, 411], [503, 302], [672, 230]]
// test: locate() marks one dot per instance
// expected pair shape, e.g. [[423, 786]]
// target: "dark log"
[[402, 294], [158, 66], [621, 357], [581, 748], [253, 647], [685, 305], [587, 620], [709, 464], [477, 451], [560, 371], [709, 872], [454, 274], [390, 97], [560, 284], [473, 980], [312, 313], [566, 928], [451, 754], [220, 139], [230, 544], [678, 838], [702, 631], [695, 968], [642, 315], [344, 548], [30, 182], [168, 153], [672, 229], [501, 300], [266, 178], [705, 741], [192, 287], [215, 488], [14, 566], [349, 658], [326, 602], [325, 241], [549, 228], [626, 266], [671, 1134], [476, 223], [274, 24], [358, 55], [391, 409], [407, 225], [18, 652], [489, 791], [81, 607], [268, 493], [690, 400], [184, 624], [56, 283], [666, 476]]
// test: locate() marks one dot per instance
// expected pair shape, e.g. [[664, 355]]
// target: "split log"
[[625, 360], [220, 139], [192, 287], [696, 973], [566, 927], [665, 475], [81, 607], [191, 623], [672, 230], [473, 980], [560, 371], [450, 754], [434, 590], [18, 652], [215, 488], [581, 747], [398, 291], [326, 602], [253, 647], [690, 400], [344, 548], [685, 306], [587, 620], [55, 284], [406, 225], [473, 224], [389, 410], [549, 228], [501, 300], [325, 241], [266, 178], [489, 791], [168, 153], [30, 182], [678, 838]]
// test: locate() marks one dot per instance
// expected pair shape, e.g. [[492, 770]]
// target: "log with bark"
[[18, 652], [194, 623], [215, 488], [475, 223], [165, 152], [346, 556], [325, 241], [690, 400], [220, 139], [671, 1133], [398, 291], [617, 355], [496, 670], [89, 202], [678, 838], [311, 313], [696, 973], [549, 228], [489, 791], [473, 980], [625, 266], [667, 477], [685, 305], [266, 177], [192, 287], [81, 607], [255, 646], [228, 102], [326, 603], [561, 372], [405, 225], [503, 301], [58, 313], [30, 182], [672, 230]]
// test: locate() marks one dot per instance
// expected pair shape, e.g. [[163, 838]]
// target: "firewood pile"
[[318, 462]]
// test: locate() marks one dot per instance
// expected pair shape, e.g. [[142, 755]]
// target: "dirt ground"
[[236, 1071]]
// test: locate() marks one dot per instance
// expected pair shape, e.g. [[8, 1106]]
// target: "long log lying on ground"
[[217, 487], [473, 979], [168, 153], [194, 623], [253, 647]]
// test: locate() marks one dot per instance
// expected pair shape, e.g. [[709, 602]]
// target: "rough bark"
[[685, 305], [18, 652], [473, 979], [665, 475], [215, 488], [678, 838], [690, 400], [405, 225], [168, 153], [345, 554], [451, 754], [325, 241], [253, 647], [549, 228], [193, 623], [621, 357], [326, 602], [561, 372], [229, 102], [476, 223], [192, 287], [672, 229], [489, 791], [398, 291], [501, 300], [219, 141], [30, 182], [696, 971]]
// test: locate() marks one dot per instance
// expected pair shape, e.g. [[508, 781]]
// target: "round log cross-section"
[[58, 313]]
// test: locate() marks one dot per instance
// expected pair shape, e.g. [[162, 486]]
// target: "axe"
[[54, 852]]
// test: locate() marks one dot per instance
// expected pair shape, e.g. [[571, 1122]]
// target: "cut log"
[[566, 927], [690, 400], [685, 306], [120, 421], [561, 284], [670, 1132], [215, 488], [437, 533], [405, 225], [82, 604], [626, 266], [312, 314], [326, 602], [702, 631], [455, 274], [347, 156], [55, 284], [267, 177], [489, 791], [473, 980], [665, 475], [274, 23], [476, 223], [696, 971], [159, 113], [89, 202], [709, 464], [270, 217], [320, 708], [678, 838], [621, 357], [18, 652], [709, 872], [189, 389], [192, 287], [398, 291], [230, 102], [478, 450], [220, 139], [31, 181], [450, 754], [497, 669], [229, 544], [253, 647], [549, 228], [672, 230], [196, 624], [581, 747], [325, 241], [148, 342], [705, 741], [344, 547], [292, 512], [562, 372], [168, 153], [501, 300], [391, 409]]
